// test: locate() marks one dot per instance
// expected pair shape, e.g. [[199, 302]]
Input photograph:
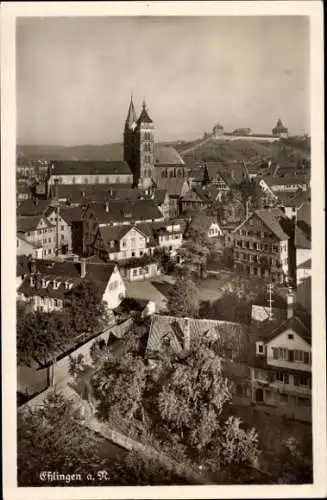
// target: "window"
[[123, 243], [96, 180], [290, 336], [146, 269], [62, 228], [62, 237], [133, 254], [302, 379], [134, 272], [112, 244], [280, 353], [282, 377], [49, 240], [86, 180], [260, 348]]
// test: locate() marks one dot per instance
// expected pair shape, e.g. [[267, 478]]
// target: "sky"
[[75, 76]]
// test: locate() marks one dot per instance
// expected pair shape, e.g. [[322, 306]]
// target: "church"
[[148, 161]]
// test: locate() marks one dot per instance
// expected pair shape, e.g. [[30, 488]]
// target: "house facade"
[[281, 370], [24, 247], [46, 284], [194, 200], [303, 243], [39, 232], [261, 246]]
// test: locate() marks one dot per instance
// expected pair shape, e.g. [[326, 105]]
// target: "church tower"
[[139, 146], [130, 138], [145, 148]]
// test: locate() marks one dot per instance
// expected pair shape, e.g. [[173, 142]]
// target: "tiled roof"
[[173, 186], [302, 235], [90, 167], [293, 323], [116, 233], [119, 210], [199, 192], [65, 271], [161, 227], [202, 221], [71, 214], [271, 218], [284, 181], [174, 328], [168, 155], [32, 207], [30, 223]]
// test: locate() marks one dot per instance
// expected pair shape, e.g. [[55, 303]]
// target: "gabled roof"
[[116, 233], [173, 186], [62, 272], [174, 328], [32, 207], [293, 323], [78, 193], [71, 214], [272, 218], [30, 223], [120, 210], [90, 168], [199, 192], [271, 180]]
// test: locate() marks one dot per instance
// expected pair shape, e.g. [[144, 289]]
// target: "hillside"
[[238, 150], [112, 151]]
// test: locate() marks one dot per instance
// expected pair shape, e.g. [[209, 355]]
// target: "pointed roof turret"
[[144, 116], [131, 115]]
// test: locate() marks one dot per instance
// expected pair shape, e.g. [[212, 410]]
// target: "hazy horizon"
[[75, 76]]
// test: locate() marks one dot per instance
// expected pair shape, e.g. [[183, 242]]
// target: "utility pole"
[[270, 290]]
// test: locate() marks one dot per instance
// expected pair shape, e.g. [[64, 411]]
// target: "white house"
[[46, 284], [281, 368], [303, 243], [39, 232]]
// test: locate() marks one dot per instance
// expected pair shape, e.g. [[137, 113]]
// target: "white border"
[[9, 12]]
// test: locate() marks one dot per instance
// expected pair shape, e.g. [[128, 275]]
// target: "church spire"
[[131, 115], [144, 116]]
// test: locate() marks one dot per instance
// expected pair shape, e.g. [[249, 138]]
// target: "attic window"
[[56, 284], [112, 244], [290, 336], [260, 348]]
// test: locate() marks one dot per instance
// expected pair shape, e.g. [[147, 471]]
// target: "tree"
[[53, 438], [193, 402], [183, 298], [196, 250], [85, 307], [40, 335], [119, 387]]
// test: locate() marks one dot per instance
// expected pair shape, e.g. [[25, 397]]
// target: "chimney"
[[187, 334], [33, 266], [290, 303], [83, 268]]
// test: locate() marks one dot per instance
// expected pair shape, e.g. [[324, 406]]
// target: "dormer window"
[[112, 244], [67, 285], [32, 281], [260, 349], [56, 284]]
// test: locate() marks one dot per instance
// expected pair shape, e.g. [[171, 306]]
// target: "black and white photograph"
[[166, 177]]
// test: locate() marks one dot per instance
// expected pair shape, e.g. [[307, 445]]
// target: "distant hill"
[[238, 150], [107, 152]]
